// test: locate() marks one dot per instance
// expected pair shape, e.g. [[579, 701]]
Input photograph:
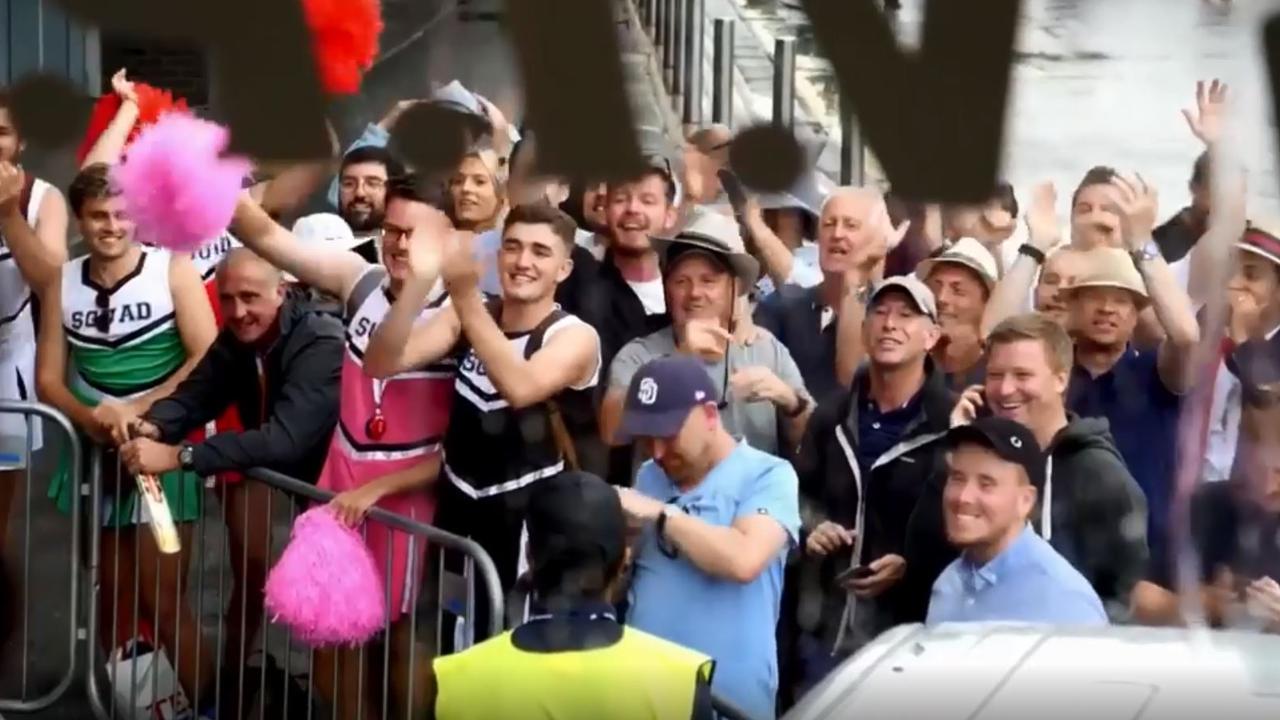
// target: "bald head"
[[250, 291], [242, 260], [851, 219]]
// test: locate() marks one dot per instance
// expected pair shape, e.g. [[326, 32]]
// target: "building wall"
[[178, 68], [37, 36]]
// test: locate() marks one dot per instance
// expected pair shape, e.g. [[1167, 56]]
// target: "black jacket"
[[288, 431], [832, 486], [598, 294], [1098, 515]]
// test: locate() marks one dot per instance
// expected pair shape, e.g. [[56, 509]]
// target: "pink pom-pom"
[[326, 587], [177, 185]]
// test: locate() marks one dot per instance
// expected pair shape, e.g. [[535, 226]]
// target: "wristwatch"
[[1032, 252], [186, 455], [802, 404], [1148, 252]]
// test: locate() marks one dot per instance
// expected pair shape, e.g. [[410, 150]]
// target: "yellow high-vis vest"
[[640, 677]]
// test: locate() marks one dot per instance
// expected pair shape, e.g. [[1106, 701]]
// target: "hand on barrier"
[[115, 419], [146, 456], [352, 506]]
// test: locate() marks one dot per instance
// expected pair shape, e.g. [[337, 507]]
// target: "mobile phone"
[[857, 572]]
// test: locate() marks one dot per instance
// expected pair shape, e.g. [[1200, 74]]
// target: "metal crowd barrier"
[[44, 613], [275, 677], [140, 662]]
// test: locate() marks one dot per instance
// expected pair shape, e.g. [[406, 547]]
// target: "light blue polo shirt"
[[733, 623], [1027, 582]]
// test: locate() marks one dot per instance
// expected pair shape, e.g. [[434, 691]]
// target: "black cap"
[[661, 395], [1008, 439], [575, 524]]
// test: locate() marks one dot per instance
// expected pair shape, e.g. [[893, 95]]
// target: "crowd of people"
[[822, 417]]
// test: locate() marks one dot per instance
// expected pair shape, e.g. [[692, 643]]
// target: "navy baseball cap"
[[661, 395], [1008, 439]]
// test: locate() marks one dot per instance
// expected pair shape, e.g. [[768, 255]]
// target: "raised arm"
[[867, 268], [110, 144], [569, 358], [1044, 233], [400, 343], [329, 270], [1172, 306], [40, 251], [773, 254]]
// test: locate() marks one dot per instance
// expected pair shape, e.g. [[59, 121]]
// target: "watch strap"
[[1032, 252]]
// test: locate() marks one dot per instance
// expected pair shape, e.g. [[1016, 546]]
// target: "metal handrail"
[[52, 415], [488, 571]]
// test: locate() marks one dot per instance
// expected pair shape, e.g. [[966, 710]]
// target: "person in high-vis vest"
[[572, 659]]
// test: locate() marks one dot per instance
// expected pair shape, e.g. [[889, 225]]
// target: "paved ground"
[[427, 41]]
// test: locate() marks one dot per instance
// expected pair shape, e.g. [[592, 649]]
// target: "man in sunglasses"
[[716, 520]]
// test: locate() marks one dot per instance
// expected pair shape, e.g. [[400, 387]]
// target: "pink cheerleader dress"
[[385, 426]]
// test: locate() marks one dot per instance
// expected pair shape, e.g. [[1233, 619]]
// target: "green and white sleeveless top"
[[123, 340]]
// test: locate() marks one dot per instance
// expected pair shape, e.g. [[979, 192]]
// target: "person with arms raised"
[[526, 370]]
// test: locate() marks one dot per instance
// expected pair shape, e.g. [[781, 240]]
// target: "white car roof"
[[992, 671]]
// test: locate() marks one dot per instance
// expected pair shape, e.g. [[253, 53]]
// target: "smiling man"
[[866, 458], [1092, 511], [526, 374], [1005, 571]]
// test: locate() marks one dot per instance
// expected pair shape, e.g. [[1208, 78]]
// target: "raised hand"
[[967, 408], [11, 181], [1207, 120], [1043, 227], [1138, 204], [123, 87], [458, 265]]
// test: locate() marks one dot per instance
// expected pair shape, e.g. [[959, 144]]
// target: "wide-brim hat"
[[716, 235], [966, 252], [1262, 237], [1114, 268]]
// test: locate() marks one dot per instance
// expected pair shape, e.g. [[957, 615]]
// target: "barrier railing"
[[45, 613], [185, 637], [677, 30]]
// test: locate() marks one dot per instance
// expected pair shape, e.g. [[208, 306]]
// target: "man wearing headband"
[[572, 658], [705, 269]]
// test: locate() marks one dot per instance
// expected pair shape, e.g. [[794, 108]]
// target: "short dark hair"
[[414, 187], [650, 171], [91, 183], [1007, 200], [543, 213], [1200, 170], [372, 154], [1036, 326], [1097, 175]]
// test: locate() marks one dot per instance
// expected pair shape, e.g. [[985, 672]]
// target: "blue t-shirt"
[[1143, 415], [1027, 582], [733, 623]]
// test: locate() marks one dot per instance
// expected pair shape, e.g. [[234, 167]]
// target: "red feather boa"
[[344, 39], [152, 103]]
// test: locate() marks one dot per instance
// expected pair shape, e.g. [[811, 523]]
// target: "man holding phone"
[[1091, 509], [864, 460]]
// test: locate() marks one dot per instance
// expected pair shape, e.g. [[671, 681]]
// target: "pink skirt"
[[399, 556]]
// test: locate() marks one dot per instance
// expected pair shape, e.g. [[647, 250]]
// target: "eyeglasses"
[[102, 321]]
